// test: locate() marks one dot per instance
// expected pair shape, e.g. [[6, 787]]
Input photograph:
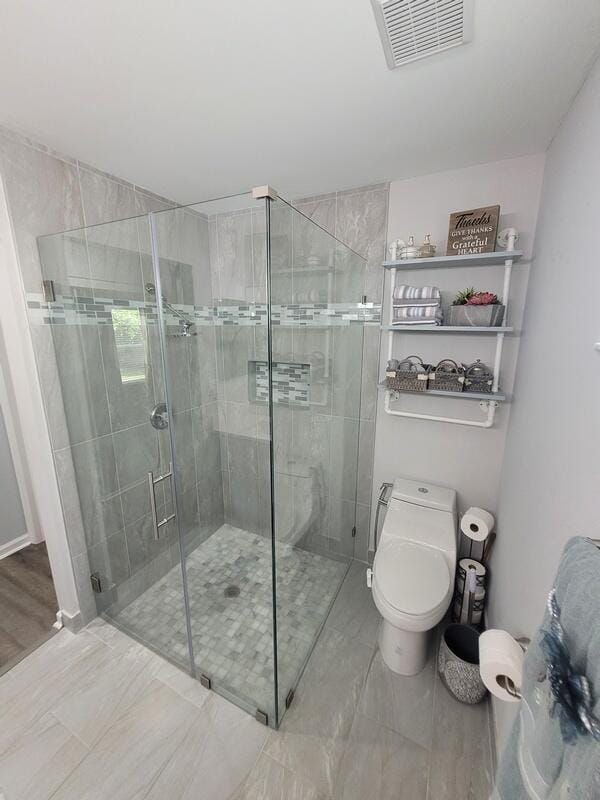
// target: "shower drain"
[[232, 591]]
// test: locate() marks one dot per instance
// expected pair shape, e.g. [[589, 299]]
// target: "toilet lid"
[[412, 578]]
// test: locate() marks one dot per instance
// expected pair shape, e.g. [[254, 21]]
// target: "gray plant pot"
[[458, 663], [476, 316]]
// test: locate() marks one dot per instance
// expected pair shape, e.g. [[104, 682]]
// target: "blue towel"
[[538, 762]]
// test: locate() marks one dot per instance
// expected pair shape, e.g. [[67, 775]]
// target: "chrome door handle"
[[152, 481]]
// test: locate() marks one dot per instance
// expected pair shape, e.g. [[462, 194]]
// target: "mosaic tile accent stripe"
[[291, 383], [78, 308]]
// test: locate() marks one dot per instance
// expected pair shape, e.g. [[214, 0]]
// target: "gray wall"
[[551, 471], [467, 459], [13, 520]]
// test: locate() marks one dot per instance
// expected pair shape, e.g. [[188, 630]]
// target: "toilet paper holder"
[[507, 683]]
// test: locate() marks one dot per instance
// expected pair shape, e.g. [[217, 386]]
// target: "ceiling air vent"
[[413, 29]]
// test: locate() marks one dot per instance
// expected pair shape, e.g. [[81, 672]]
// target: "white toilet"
[[413, 571]]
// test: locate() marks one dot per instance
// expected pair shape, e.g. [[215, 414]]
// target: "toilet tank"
[[423, 514], [424, 494]]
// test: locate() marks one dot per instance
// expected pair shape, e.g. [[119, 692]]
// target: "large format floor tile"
[[270, 781], [97, 716], [354, 613], [130, 756], [380, 763], [403, 704], [461, 764], [214, 758], [314, 732], [34, 766]]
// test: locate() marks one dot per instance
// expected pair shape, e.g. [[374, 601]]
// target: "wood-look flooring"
[[28, 603]]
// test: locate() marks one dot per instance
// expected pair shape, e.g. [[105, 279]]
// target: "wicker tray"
[[478, 377], [447, 376], [411, 376]]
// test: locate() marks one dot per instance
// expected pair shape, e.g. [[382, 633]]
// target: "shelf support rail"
[[508, 239]]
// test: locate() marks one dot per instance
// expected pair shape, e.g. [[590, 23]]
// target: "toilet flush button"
[[423, 490]]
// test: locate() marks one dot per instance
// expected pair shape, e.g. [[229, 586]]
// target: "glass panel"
[[212, 268], [105, 334], [317, 333]]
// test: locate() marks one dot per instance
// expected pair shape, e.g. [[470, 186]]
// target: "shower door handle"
[[152, 481]]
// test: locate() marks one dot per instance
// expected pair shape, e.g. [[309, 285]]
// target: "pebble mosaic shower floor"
[[232, 635]]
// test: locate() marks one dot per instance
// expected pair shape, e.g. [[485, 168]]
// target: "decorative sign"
[[473, 231]]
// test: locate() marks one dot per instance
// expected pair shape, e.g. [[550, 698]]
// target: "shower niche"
[[290, 383], [220, 537]]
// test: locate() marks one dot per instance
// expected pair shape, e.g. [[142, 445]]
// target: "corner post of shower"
[[268, 194]]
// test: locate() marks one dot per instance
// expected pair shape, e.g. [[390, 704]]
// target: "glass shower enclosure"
[[210, 370]]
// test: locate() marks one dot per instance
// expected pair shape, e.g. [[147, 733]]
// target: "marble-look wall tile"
[[50, 385], [347, 370], [361, 222], [137, 452], [234, 256], [370, 371], [79, 361], [105, 199], [343, 463], [95, 466], [44, 197], [361, 541], [366, 443], [130, 401], [321, 210]]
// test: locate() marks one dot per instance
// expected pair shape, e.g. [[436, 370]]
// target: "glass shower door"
[[210, 266], [317, 285], [114, 451]]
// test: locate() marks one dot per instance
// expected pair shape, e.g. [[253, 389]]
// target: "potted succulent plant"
[[476, 309]]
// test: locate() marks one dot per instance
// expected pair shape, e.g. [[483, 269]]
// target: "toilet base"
[[404, 652]]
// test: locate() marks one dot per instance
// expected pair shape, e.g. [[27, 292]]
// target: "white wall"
[[467, 459], [12, 524], [551, 472]]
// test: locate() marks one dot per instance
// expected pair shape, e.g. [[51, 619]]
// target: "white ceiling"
[[195, 99]]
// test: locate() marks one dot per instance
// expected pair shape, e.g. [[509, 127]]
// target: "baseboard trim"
[[14, 545], [72, 622]]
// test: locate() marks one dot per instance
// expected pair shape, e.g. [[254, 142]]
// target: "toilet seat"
[[412, 579]]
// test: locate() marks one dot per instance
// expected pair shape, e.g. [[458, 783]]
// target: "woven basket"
[[411, 376], [447, 377], [478, 377]]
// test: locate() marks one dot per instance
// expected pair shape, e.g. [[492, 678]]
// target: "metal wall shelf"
[[474, 260], [498, 396], [488, 401], [446, 329]]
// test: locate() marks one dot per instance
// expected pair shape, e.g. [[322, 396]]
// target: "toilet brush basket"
[[458, 663]]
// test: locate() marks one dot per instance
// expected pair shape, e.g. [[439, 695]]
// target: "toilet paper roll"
[[477, 524], [500, 654], [469, 565]]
